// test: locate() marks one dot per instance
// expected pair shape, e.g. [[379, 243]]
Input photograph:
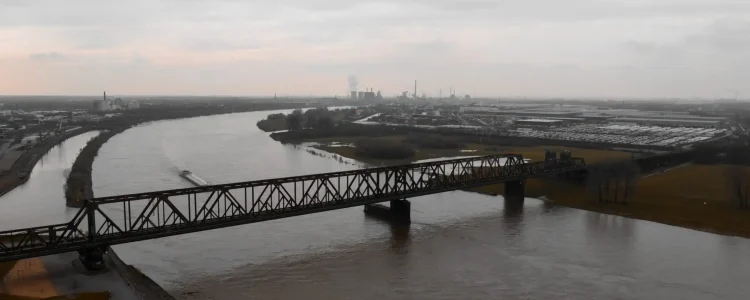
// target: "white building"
[[103, 105], [132, 104], [29, 140]]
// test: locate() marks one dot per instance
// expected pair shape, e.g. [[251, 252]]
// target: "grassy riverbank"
[[345, 146], [690, 196]]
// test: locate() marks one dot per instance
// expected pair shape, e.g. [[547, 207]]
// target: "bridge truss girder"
[[121, 219]]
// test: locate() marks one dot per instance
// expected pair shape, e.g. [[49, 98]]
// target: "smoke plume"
[[353, 83]]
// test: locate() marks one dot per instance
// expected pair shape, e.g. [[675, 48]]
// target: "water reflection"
[[549, 208], [400, 237], [609, 226], [513, 216]]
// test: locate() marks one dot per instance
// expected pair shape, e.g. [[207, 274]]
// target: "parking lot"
[[622, 134]]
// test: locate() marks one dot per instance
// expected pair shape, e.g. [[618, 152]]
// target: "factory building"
[[108, 105], [520, 113], [132, 104], [539, 122], [103, 105]]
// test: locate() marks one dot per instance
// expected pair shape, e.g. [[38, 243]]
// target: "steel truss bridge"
[[107, 221]]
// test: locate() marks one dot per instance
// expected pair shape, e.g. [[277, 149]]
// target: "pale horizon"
[[594, 49]]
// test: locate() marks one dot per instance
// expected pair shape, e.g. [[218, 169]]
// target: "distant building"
[[668, 122], [538, 122], [133, 104], [353, 95], [29, 140], [119, 103], [104, 104], [360, 95], [369, 96]]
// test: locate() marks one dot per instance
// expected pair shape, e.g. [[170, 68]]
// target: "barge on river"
[[189, 176]]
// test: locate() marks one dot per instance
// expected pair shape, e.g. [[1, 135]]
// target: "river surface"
[[460, 246], [41, 200]]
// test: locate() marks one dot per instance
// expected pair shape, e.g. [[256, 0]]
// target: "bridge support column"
[[92, 258], [515, 191], [398, 212]]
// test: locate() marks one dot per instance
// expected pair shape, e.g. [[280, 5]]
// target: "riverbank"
[[26, 162], [79, 185], [689, 196], [142, 284]]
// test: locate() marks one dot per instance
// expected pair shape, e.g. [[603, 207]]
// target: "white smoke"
[[353, 82]]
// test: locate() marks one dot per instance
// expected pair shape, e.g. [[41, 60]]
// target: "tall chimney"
[[105, 95], [415, 89]]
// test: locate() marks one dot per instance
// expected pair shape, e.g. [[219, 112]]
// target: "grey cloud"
[[724, 35], [213, 45], [47, 56], [140, 60], [106, 13], [433, 40], [725, 41], [97, 38]]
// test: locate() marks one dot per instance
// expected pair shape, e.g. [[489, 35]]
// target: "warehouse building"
[[669, 122], [538, 122]]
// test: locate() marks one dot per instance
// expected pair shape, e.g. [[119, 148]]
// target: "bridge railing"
[[120, 219]]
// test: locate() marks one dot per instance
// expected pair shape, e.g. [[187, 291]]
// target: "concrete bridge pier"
[[92, 258], [398, 212], [515, 191]]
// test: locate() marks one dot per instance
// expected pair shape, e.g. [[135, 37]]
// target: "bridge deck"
[[121, 219]]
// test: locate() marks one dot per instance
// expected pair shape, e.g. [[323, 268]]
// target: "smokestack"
[[105, 95], [415, 89]]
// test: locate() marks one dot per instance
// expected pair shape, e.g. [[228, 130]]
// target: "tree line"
[[319, 118], [613, 182]]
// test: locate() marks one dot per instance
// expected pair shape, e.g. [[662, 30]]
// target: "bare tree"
[[594, 181], [739, 186], [613, 182], [629, 174]]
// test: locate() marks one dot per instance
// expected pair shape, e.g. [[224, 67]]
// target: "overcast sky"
[[571, 48]]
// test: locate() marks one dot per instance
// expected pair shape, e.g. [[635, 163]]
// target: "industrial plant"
[[105, 104], [595, 126]]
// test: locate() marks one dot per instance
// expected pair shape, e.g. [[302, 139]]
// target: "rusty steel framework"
[[107, 221]]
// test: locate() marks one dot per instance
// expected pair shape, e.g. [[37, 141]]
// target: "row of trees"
[[736, 157], [318, 118], [613, 182], [78, 185], [738, 183]]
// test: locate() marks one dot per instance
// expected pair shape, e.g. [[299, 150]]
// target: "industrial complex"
[[590, 124]]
